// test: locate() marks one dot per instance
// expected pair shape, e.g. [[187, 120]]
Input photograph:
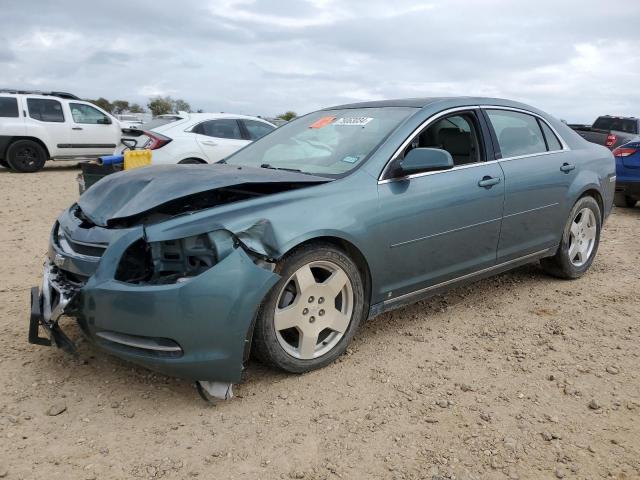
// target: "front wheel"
[[580, 240], [313, 312]]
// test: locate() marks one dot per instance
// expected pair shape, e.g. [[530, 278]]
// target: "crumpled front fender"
[[210, 317]]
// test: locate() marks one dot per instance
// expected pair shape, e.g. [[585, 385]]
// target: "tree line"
[[159, 106], [156, 105]]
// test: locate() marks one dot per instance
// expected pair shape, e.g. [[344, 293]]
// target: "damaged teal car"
[[285, 247]]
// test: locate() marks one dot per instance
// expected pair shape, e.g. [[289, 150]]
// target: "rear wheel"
[[313, 312], [580, 240], [26, 156], [3, 163], [624, 201]]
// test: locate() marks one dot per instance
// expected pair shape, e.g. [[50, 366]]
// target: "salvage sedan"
[[285, 247]]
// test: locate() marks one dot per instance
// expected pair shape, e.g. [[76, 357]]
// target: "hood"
[[175, 189]]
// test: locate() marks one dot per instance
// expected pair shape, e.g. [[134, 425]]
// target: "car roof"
[[204, 116], [422, 102], [398, 102], [186, 120], [65, 95]]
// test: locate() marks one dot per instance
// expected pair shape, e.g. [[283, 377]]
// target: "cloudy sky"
[[574, 59]]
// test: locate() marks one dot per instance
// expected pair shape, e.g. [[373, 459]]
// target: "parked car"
[[40, 126], [610, 131], [284, 248], [627, 174], [130, 121], [196, 137]]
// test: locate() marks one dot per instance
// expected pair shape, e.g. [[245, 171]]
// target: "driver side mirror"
[[420, 160], [105, 121]]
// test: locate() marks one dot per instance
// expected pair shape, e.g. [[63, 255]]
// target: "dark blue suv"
[[627, 174]]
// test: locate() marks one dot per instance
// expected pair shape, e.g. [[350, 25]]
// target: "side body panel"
[[92, 140], [438, 226], [216, 149]]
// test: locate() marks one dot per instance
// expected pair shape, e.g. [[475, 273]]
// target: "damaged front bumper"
[[47, 306], [198, 329]]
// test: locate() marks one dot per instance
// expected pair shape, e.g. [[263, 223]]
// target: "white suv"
[[38, 126]]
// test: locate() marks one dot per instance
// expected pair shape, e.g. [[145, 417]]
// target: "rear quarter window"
[[8, 107], [552, 141]]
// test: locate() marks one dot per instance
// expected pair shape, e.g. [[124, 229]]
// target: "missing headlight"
[[172, 261]]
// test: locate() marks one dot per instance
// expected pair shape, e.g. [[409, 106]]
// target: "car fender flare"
[[15, 138], [583, 183], [319, 235]]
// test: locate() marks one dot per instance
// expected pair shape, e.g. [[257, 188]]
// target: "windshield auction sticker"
[[322, 122], [353, 121]]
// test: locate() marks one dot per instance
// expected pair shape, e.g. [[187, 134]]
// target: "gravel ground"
[[518, 376]]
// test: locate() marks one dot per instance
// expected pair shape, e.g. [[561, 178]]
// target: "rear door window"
[[257, 129], [8, 107], [517, 133], [222, 128], [45, 110]]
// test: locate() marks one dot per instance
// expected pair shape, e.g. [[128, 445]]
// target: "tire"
[[580, 240], [191, 161], [26, 156], [303, 299], [3, 163], [624, 201]]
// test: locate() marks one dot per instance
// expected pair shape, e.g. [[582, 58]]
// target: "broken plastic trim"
[[214, 391]]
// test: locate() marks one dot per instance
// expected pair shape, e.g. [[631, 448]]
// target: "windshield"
[[328, 142]]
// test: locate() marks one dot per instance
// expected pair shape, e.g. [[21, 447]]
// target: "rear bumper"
[[199, 329], [628, 187]]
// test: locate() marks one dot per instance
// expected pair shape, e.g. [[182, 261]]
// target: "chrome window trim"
[[417, 130], [565, 147]]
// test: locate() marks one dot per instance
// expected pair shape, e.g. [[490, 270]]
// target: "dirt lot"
[[519, 376]]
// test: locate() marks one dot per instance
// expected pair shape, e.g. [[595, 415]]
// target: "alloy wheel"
[[582, 237], [314, 310]]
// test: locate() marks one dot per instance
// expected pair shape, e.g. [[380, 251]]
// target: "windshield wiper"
[[266, 165]]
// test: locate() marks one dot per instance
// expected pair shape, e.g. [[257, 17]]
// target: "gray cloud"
[[574, 59]]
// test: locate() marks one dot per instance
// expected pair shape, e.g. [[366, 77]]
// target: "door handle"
[[211, 144], [488, 182], [76, 128], [567, 167]]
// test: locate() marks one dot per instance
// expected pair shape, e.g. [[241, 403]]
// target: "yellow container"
[[136, 159]]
